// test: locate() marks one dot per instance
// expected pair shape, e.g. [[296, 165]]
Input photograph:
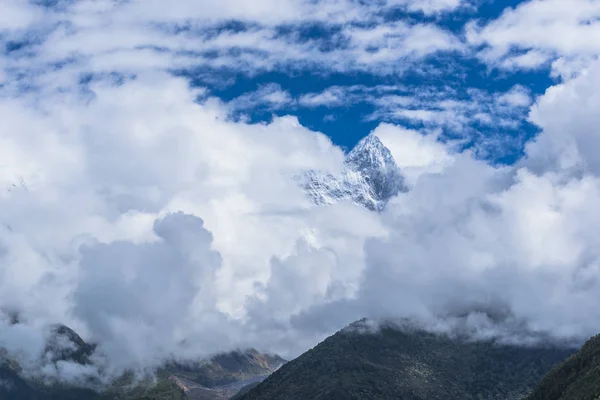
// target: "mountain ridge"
[[577, 378], [219, 377], [392, 362]]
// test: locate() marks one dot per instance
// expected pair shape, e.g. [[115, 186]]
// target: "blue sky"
[[452, 72]]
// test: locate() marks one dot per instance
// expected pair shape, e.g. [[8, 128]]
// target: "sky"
[[148, 156]]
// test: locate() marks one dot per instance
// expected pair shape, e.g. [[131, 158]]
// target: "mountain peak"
[[396, 362], [374, 164], [371, 141], [370, 178], [64, 344], [372, 152]]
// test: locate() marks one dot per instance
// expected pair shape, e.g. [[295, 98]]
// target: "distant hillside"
[[218, 378], [245, 390], [14, 386], [578, 378], [409, 364], [222, 376], [227, 368]]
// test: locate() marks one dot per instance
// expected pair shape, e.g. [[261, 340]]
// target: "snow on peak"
[[372, 151], [370, 178]]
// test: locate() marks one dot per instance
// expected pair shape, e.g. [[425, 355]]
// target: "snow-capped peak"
[[370, 178], [371, 152]]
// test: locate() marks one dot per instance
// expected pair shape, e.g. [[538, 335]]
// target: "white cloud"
[[518, 240], [341, 96], [277, 12], [532, 59], [426, 116], [566, 113], [334, 96], [538, 31], [433, 107], [394, 41], [146, 294], [517, 244], [463, 115], [517, 96], [270, 11], [429, 6], [94, 198], [270, 96], [16, 15], [415, 153], [129, 37]]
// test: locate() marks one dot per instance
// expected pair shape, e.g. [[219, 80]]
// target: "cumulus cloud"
[[516, 239], [417, 154], [566, 114], [526, 36], [92, 234], [135, 296], [511, 249]]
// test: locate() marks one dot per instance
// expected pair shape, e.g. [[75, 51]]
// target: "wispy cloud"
[[341, 96], [127, 37], [429, 7], [270, 97], [537, 32], [467, 114]]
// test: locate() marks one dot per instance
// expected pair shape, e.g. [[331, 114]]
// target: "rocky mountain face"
[[409, 363], [577, 378], [222, 376], [370, 178]]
